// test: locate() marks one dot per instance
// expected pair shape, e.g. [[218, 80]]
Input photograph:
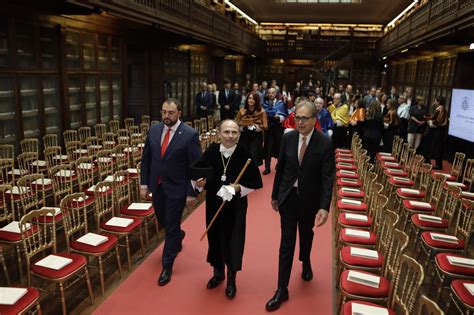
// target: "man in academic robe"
[[226, 237], [301, 194]]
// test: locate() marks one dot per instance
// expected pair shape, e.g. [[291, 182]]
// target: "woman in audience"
[[417, 123], [373, 129], [391, 123], [330, 96], [356, 123], [252, 121]]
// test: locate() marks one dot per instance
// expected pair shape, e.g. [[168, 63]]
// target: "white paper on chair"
[[469, 287], [363, 278], [347, 159], [14, 227], [395, 170], [409, 191], [391, 164], [92, 239], [350, 190], [120, 222], [129, 149], [455, 184], [133, 170], [420, 204], [347, 172], [385, 153], [101, 189], [9, 296], [386, 157], [104, 159], [351, 202], [357, 217], [85, 166], [362, 309], [443, 174], [64, 173], [401, 179], [349, 180], [56, 210], [460, 261], [42, 182], [80, 151], [366, 253], [139, 206], [39, 163], [109, 178], [344, 164], [54, 262], [16, 190], [141, 145], [444, 238], [61, 157], [429, 218], [357, 233], [467, 194], [16, 171]]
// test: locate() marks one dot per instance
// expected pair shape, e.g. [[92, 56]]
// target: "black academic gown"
[[226, 237]]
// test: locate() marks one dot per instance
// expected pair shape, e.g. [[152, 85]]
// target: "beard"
[[169, 123]]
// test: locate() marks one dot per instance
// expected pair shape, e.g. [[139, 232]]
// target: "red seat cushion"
[[136, 213], [354, 194], [349, 182], [365, 290], [400, 182], [22, 304], [395, 172], [78, 261], [348, 259], [351, 222], [347, 307], [408, 205], [101, 248], [443, 263], [345, 159], [134, 225], [440, 244], [448, 176], [457, 286], [352, 174], [16, 237], [339, 150], [345, 206], [416, 195], [49, 219], [428, 224], [349, 239], [346, 166]]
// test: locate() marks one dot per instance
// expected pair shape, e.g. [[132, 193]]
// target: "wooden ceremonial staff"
[[223, 202]]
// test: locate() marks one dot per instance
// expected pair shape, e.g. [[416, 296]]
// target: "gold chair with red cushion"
[[26, 304], [461, 297]]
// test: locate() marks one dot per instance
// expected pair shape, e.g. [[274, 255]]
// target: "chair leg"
[[20, 263], [118, 261], [145, 225], [156, 227], [101, 275], [88, 282], [129, 258], [63, 298], [5, 270], [142, 247], [440, 288], [38, 308]]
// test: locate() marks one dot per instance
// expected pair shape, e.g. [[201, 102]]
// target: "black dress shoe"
[[307, 273], [183, 234], [165, 276], [281, 295], [266, 171], [214, 282], [231, 290]]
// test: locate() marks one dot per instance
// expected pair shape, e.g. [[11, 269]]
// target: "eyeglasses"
[[302, 118], [170, 112]]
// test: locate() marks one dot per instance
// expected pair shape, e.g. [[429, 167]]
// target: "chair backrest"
[[404, 154], [62, 177], [210, 122], [84, 133], [105, 163], [7, 175], [428, 307], [457, 164], [385, 231], [134, 130], [409, 278], [114, 126], [75, 216], [410, 159], [397, 146], [43, 239], [122, 192], [465, 221], [144, 127], [396, 247], [123, 136], [100, 129], [156, 122], [437, 190], [29, 145], [85, 172], [415, 167], [145, 119], [6, 205], [50, 140], [450, 204], [104, 202], [7, 151], [26, 162], [122, 158], [73, 150], [425, 177], [129, 122], [378, 205], [197, 125], [93, 146], [52, 157], [468, 175], [109, 141], [204, 127], [369, 181], [70, 135]]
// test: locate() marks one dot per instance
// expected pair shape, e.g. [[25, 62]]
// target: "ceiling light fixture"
[[471, 47], [411, 5], [404, 50], [233, 6]]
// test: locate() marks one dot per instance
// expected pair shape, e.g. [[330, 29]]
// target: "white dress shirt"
[[403, 111]]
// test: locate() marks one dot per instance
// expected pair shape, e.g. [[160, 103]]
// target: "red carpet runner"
[[187, 293]]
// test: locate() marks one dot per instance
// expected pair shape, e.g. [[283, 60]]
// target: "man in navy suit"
[[203, 102], [170, 148], [228, 101]]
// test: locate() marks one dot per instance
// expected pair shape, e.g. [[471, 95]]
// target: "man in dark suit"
[[170, 148], [203, 102], [227, 101], [301, 194]]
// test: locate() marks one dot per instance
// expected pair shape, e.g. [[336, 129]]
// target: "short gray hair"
[[309, 105]]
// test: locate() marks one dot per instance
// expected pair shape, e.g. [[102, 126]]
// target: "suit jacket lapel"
[[176, 138], [160, 132]]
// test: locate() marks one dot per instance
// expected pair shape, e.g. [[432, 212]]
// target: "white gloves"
[[226, 192], [430, 124], [330, 132], [339, 123], [252, 128]]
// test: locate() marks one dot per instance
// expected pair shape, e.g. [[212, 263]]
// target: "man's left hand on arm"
[[321, 217]]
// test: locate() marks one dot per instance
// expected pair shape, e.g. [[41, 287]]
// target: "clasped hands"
[[227, 192]]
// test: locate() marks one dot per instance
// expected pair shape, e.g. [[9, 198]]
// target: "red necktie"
[[166, 140]]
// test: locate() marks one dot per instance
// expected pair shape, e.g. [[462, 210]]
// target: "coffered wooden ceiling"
[[366, 12]]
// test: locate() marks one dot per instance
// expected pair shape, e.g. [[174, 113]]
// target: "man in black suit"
[[301, 194], [227, 101], [203, 102]]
